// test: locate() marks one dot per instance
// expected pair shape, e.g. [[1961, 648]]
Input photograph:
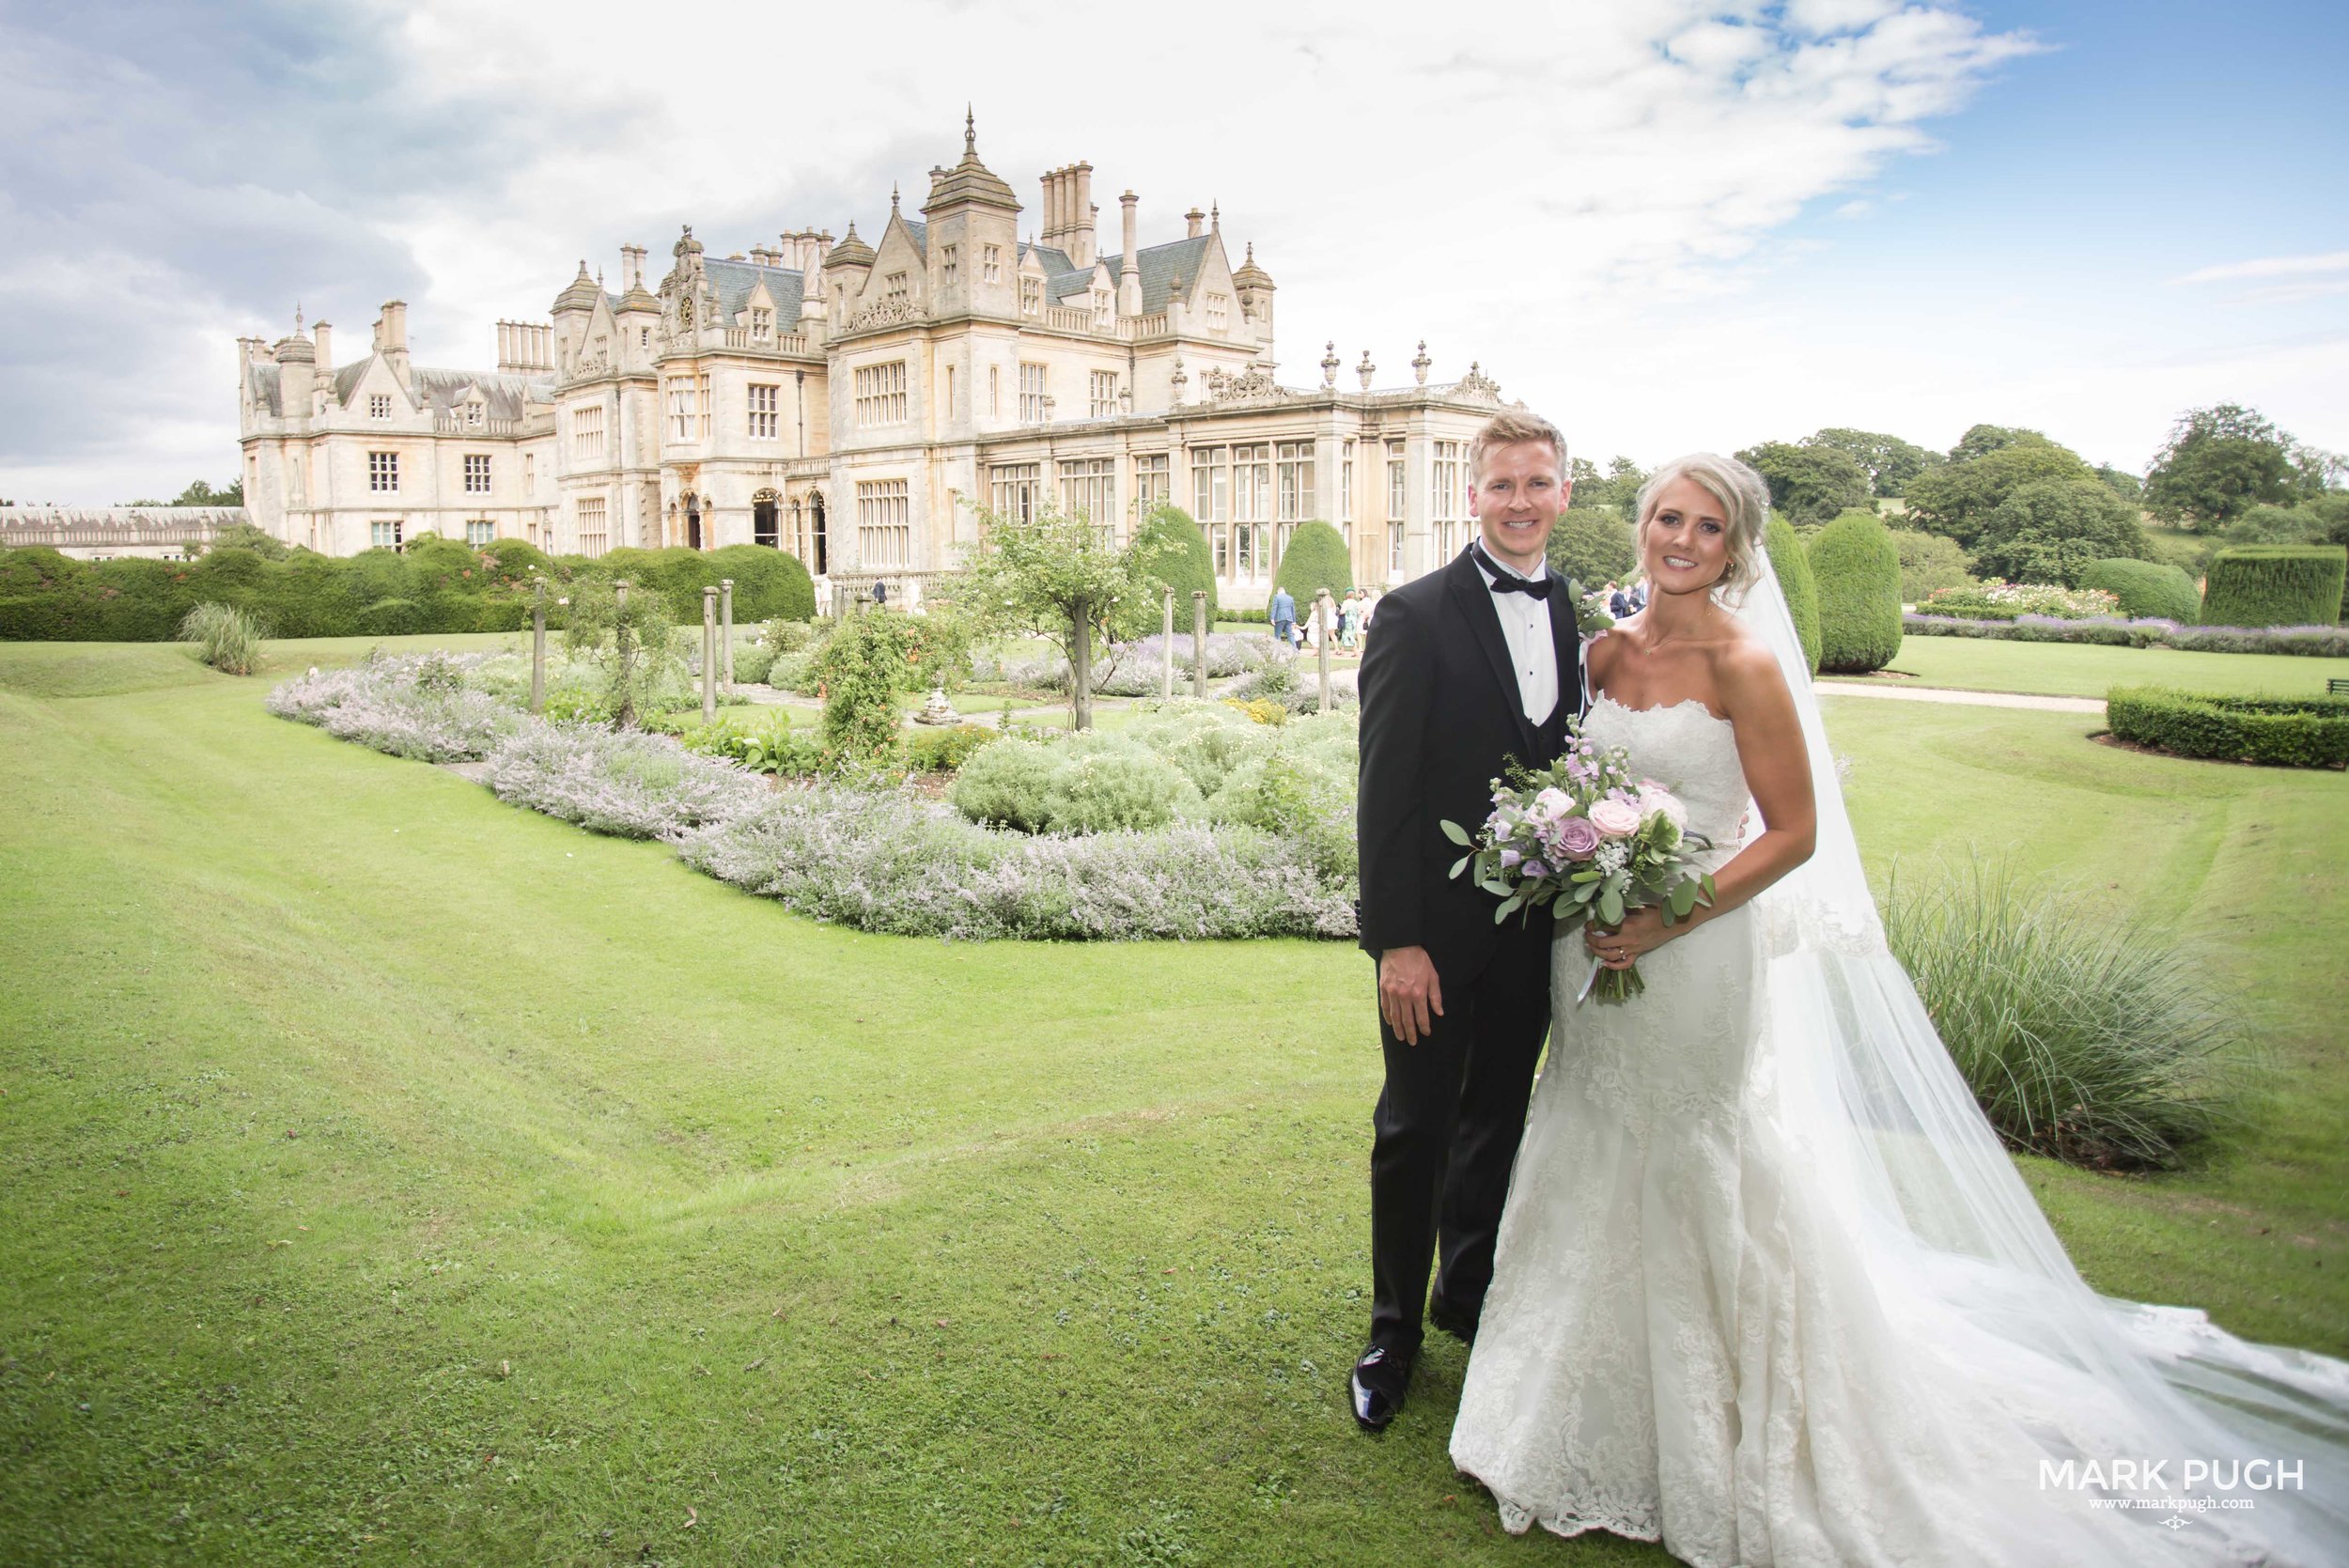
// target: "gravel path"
[[1963, 699]]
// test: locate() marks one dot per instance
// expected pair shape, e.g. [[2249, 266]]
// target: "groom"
[[1474, 663]]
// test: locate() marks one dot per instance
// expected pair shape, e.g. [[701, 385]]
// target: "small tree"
[[631, 646], [1061, 577], [1929, 563], [1592, 546], [861, 668]]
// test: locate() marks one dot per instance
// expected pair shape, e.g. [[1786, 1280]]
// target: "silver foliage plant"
[[406, 706], [625, 782], [892, 860]]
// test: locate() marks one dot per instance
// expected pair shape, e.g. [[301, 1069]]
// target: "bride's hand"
[[1642, 931]]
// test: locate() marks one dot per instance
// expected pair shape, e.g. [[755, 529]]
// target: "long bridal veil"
[[2252, 1441]]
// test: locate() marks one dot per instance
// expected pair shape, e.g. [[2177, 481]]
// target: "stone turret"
[[972, 209], [297, 367]]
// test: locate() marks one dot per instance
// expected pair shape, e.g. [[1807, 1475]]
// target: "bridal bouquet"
[[1591, 840]]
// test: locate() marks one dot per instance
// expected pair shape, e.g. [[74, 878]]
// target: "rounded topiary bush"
[[1315, 560], [1794, 581], [2274, 585], [2283, 732], [2146, 589], [1858, 574], [768, 583], [1181, 562]]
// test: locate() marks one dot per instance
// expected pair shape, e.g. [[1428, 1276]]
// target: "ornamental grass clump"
[[624, 782], [2086, 1037], [225, 637]]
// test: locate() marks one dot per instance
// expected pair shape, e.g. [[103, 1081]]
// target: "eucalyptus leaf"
[[1460, 866], [1610, 906], [1453, 831]]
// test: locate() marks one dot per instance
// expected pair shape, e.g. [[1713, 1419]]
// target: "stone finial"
[[892, 198], [1329, 363], [1181, 378], [1365, 371], [1420, 362], [969, 133]]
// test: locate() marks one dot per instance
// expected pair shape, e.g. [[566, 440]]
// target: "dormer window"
[[762, 323], [380, 406], [1101, 305], [1031, 296], [893, 288], [950, 264], [472, 415]]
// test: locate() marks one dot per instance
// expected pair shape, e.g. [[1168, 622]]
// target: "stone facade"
[[119, 533], [856, 402]]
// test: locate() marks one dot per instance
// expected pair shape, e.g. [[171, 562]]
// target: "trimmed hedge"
[[1182, 564], [2274, 585], [438, 585], [2146, 589], [1784, 548], [2280, 732], [1316, 559], [1858, 574]]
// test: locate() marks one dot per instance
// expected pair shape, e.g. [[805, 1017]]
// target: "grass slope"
[[2085, 670], [391, 1176]]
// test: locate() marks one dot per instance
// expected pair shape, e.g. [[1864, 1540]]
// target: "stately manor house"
[[853, 401]]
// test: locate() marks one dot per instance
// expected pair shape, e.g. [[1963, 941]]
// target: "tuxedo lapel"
[[1565, 634], [1466, 584]]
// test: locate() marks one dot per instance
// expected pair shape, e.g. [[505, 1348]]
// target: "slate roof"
[[504, 395], [733, 281], [1161, 265], [921, 232]]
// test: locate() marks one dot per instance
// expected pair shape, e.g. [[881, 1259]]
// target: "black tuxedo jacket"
[[1440, 716]]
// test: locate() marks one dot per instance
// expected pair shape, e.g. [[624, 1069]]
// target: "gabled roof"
[[1051, 258], [503, 392], [735, 280], [921, 232]]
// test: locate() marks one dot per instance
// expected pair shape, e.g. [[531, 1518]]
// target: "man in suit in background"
[[1474, 663], [1282, 613]]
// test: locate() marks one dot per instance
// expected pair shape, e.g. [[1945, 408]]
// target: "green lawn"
[[2083, 670], [391, 1176]]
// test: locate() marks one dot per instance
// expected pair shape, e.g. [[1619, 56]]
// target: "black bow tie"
[[1504, 583]]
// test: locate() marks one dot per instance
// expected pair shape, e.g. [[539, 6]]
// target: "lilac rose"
[[1577, 839]]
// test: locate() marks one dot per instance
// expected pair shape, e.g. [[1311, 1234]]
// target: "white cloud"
[[1546, 185], [2270, 267]]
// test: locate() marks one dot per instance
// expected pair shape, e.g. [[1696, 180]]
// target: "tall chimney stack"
[[323, 337], [1082, 218], [1129, 268], [1193, 218]]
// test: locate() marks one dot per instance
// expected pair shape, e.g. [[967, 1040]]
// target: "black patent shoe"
[[1375, 1389]]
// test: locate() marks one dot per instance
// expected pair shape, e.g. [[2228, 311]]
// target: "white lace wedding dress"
[[1769, 1290]]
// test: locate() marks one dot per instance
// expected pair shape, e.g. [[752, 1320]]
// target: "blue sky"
[[1670, 225]]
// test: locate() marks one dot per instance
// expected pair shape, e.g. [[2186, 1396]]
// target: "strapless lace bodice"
[[1691, 752]]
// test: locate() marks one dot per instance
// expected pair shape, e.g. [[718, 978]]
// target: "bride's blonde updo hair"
[[1745, 500]]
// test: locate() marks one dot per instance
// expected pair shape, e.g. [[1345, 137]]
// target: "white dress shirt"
[[1525, 627]]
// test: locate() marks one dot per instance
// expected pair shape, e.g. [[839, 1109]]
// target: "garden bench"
[[2337, 687]]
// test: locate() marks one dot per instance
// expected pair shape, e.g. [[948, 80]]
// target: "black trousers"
[[1446, 1134]]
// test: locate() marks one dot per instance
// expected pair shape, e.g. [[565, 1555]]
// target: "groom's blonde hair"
[[1745, 500], [1508, 428]]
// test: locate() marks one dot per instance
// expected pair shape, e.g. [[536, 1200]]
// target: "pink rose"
[[1615, 818], [1576, 840], [1552, 804], [1654, 797]]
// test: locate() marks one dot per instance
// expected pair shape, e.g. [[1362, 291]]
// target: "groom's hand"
[[1408, 992]]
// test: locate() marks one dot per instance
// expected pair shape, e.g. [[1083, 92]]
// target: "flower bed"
[[2316, 642], [2282, 732], [1264, 848], [1996, 600]]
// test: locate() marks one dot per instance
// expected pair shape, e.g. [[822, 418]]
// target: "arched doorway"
[[765, 527], [819, 562], [692, 523]]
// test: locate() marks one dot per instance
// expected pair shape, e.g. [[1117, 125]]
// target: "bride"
[[1768, 1289]]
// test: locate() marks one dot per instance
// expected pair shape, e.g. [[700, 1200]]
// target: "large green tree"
[[1593, 546], [2219, 463], [1980, 440], [1956, 499], [2054, 529], [1810, 484], [1890, 461]]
